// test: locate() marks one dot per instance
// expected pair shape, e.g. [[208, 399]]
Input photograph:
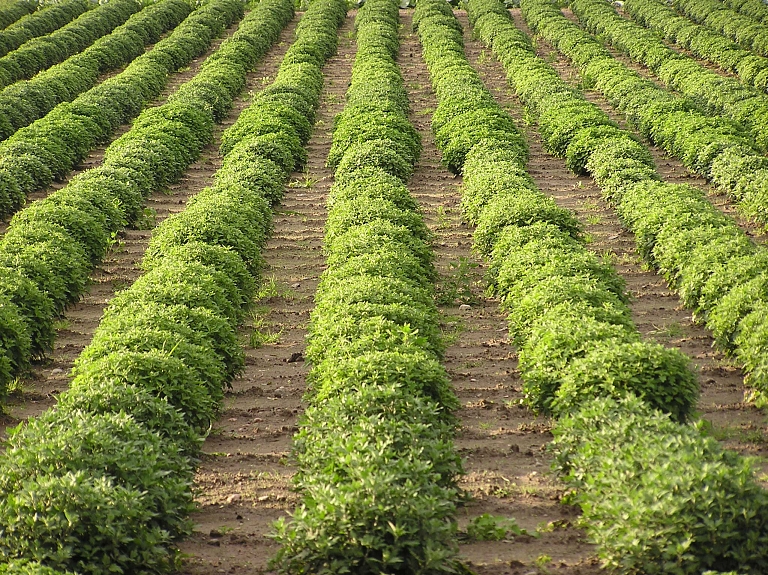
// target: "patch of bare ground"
[[502, 443], [244, 481], [122, 265], [656, 310]]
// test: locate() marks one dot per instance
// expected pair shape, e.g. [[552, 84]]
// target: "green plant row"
[[701, 252], [51, 247], [26, 101], [44, 21], [757, 9], [15, 11], [551, 286], [712, 92], [49, 148], [377, 470], [701, 41], [101, 484], [746, 30], [43, 52], [717, 148], [657, 495]]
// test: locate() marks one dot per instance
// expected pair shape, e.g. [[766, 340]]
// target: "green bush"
[[557, 339], [661, 377], [113, 446], [152, 412], [158, 373], [98, 528], [698, 506], [520, 208]]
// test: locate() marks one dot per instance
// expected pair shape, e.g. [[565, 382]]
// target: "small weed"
[[452, 328], [458, 285], [542, 561], [484, 425], [306, 182], [590, 205], [271, 289], [443, 221], [61, 324], [594, 219], [261, 335], [483, 57], [147, 220], [425, 112], [670, 331], [489, 527]]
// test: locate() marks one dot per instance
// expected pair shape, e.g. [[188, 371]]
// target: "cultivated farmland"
[[324, 288]]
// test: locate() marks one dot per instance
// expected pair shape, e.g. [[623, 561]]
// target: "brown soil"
[[244, 481]]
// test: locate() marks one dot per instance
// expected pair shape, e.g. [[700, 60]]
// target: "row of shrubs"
[[43, 52], [49, 148], [24, 102], [377, 471], [51, 247], [702, 253], [15, 11], [717, 148], [657, 495], [102, 483], [746, 30], [41, 22], [757, 9], [713, 92], [703, 42]]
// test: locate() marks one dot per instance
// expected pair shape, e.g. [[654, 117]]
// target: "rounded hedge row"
[[377, 468], [657, 495], [102, 483]]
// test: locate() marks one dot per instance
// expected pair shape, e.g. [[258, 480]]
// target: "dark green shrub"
[[159, 374], [374, 236], [519, 208], [34, 307], [347, 215], [584, 295], [661, 377], [152, 412], [198, 325], [83, 523], [556, 340], [660, 494], [113, 446]]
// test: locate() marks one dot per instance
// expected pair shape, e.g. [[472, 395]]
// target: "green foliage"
[[110, 526], [487, 527], [113, 446], [699, 506]]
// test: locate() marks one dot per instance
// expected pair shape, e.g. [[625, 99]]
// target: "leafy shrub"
[[661, 377], [113, 446], [152, 412], [556, 340], [100, 527], [718, 509], [158, 373], [523, 207]]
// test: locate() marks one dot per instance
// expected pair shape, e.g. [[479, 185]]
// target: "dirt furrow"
[[501, 442], [121, 266], [656, 310], [244, 479]]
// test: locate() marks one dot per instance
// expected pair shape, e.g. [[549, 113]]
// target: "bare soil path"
[[244, 480]]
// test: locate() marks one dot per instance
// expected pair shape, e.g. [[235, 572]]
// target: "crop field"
[[328, 288]]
